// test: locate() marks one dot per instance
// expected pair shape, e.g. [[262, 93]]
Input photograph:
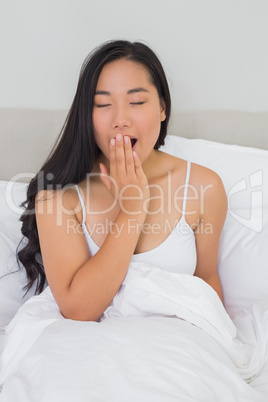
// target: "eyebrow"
[[129, 92]]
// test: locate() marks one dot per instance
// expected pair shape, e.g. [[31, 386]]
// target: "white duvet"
[[166, 337]]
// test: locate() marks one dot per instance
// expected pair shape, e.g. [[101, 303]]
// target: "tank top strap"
[[188, 170], [82, 204]]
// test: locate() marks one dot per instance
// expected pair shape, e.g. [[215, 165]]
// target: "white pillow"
[[11, 284], [243, 255]]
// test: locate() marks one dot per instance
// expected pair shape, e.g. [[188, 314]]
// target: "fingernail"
[[112, 141], [118, 137], [126, 139]]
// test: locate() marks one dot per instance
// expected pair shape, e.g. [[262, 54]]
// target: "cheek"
[[99, 127], [96, 122], [98, 134], [151, 124]]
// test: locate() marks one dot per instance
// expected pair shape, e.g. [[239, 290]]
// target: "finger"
[[130, 169], [137, 164], [113, 168], [120, 155]]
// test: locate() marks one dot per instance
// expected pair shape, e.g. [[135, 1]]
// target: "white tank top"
[[177, 253]]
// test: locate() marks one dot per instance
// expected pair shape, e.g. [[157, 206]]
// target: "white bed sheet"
[[166, 337]]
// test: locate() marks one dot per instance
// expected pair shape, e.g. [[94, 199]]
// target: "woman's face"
[[126, 102]]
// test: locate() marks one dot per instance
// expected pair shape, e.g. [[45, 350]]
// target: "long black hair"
[[75, 150]]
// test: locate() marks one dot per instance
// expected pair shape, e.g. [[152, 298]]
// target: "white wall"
[[214, 51]]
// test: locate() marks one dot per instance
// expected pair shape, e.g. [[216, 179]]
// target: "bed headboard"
[[27, 135]]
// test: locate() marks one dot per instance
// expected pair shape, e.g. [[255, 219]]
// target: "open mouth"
[[133, 141]]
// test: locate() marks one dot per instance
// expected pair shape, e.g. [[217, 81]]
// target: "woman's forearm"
[[95, 284]]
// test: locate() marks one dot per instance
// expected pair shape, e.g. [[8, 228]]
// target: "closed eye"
[[102, 105], [132, 103]]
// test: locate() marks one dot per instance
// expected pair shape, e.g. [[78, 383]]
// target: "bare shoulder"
[[205, 176], [172, 164], [210, 189], [206, 192], [65, 200], [200, 175]]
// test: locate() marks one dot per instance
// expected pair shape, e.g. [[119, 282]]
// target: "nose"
[[121, 118]]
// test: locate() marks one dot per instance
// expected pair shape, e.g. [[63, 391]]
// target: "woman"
[[107, 196]]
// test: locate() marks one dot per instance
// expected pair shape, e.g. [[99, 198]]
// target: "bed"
[[166, 337]]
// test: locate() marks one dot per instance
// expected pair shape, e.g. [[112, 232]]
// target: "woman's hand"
[[127, 181]]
